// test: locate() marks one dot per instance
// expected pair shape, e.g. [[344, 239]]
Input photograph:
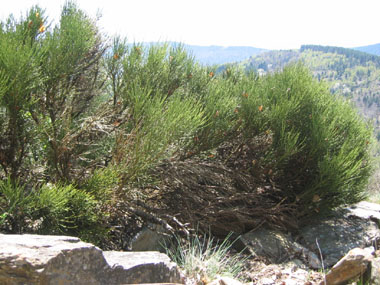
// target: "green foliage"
[[52, 209], [75, 113], [71, 69], [102, 183], [64, 209], [16, 205], [320, 146], [202, 261], [20, 73], [219, 104], [350, 73], [159, 125]]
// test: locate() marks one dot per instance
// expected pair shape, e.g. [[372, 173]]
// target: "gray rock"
[[150, 238], [278, 247], [365, 210], [342, 231], [34, 259], [271, 244], [141, 267]]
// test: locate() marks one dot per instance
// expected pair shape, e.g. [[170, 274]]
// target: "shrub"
[[320, 149], [50, 209], [78, 114], [158, 125], [65, 209], [102, 183], [16, 206], [219, 102], [20, 73], [65, 113]]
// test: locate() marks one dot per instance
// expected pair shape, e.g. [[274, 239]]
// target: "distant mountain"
[[210, 55], [372, 49], [216, 55], [351, 73]]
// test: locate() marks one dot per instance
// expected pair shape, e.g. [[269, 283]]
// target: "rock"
[[365, 210], [225, 281], [286, 273], [278, 247], [352, 265], [229, 281], [274, 245], [141, 267], [340, 232], [308, 257], [150, 238], [375, 271], [34, 259], [267, 281]]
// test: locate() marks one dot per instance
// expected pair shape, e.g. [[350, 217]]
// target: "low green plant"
[[102, 183], [64, 209], [16, 206], [202, 260]]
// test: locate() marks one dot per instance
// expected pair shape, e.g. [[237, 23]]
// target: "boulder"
[[278, 247], [150, 238], [352, 265], [141, 267], [272, 244], [365, 210], [34, 259], [342, 231]]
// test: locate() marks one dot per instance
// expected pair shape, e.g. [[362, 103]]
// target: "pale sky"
[[269, 24]]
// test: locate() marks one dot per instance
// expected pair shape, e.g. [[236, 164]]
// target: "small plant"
[[15, 205], [64, 209], [202, 261]]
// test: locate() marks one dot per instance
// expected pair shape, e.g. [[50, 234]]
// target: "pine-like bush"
[[320, 147], [74, 112]]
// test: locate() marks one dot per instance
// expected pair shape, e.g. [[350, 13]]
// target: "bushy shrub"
[[20, 73], [73, 112], [159, 125], [50, 209], [320, 146], [64, 209]]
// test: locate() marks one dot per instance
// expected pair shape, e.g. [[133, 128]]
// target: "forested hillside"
[[351, 73]]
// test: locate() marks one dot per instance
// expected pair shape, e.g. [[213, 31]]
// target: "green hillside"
[[351, 73]]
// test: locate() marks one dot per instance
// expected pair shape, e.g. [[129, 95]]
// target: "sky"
[[269, 24]]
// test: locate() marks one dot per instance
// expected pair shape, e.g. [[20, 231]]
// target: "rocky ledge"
[[34, 259], [343, 245]]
